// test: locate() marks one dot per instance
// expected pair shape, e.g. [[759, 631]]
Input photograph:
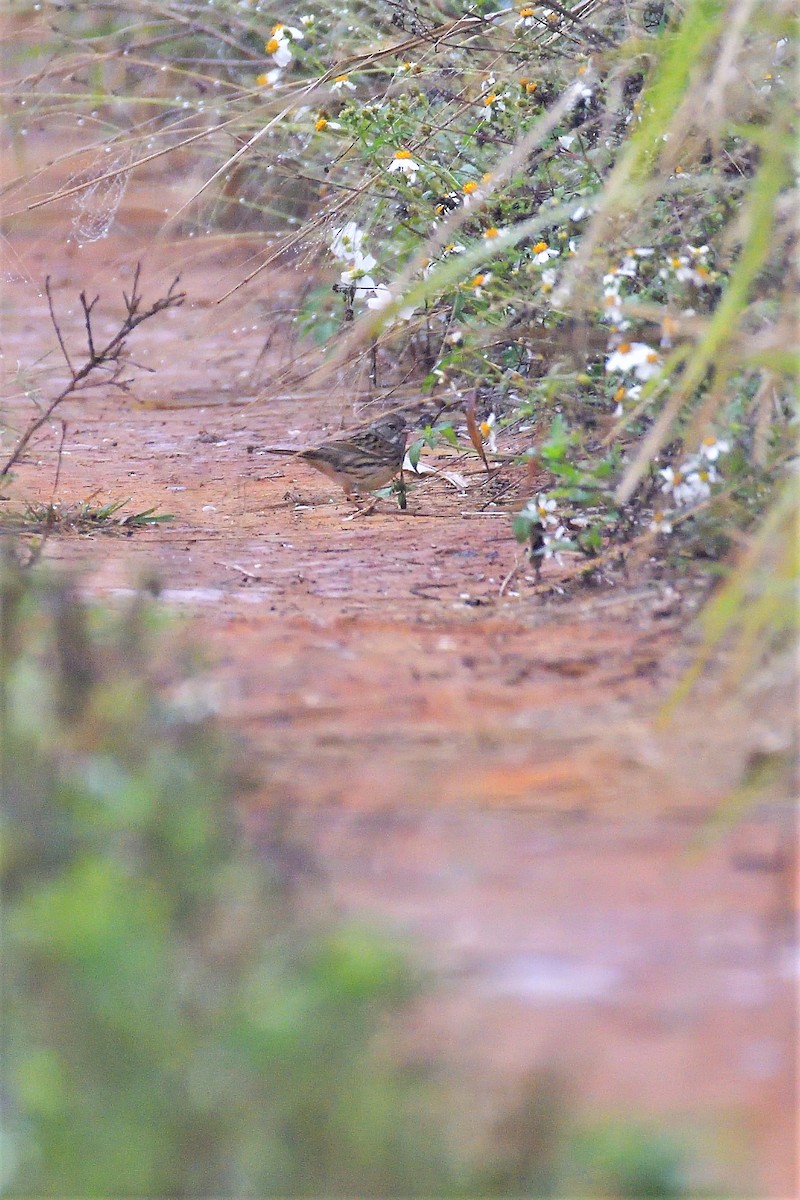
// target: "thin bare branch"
[[56, 326], [110, 357]]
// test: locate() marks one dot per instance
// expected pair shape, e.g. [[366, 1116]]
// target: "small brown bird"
[[362, 460]]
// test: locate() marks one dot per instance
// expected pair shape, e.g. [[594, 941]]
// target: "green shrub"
[[173, 1024]]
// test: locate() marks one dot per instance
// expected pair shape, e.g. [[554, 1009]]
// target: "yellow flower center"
[[490, 99], [485, 178], [470, 187], [261, 80], [620, 394], [539, 247], [320, 124], [492, 232], [402, 154], [624, 348], [525, 12], [478, 280], [272, 46], [341, 79]]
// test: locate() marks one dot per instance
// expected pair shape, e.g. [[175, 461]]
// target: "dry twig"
[[110, 356]]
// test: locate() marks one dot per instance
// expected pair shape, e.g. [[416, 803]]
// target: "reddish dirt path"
[[482, 771]]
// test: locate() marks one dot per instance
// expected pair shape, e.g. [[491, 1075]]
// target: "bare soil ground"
[[484, 772]]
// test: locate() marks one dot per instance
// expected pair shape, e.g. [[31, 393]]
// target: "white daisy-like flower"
[[358, 271], [542, 508], [527, 18], [638, 357], [612, 304], [660, 523], [404, 162], [549, 278], [550, 547], [688, 484], [687, 269], [711, 447], [363, 282], [489, 433], [347, 241], [493, 104], [269, 78], [546, 508], [280, 41], [342, 82], [542, 253], [699, 482], [380, 295], [478, 283]]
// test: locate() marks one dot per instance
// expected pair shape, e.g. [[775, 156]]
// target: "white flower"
[[675, 485], [689, 267], [478, 282], [404, 163], [691, 483], [660, 523], [492, 104], [527, 18], [711, 448], [549, 278], [359, 270], [280, 42], [355, 276], [546, 509], [551, 540], [489, 433], [541, 508], [380, 295], [612, 305], [638, 357], [699, 482], [566, 140], [341, 82], [542, 252], [347, 241]]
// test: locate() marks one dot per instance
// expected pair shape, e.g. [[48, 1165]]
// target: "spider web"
[[95, 207]]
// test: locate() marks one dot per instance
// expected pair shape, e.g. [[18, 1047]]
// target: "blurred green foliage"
[[173, 1025], [177, 1019]]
